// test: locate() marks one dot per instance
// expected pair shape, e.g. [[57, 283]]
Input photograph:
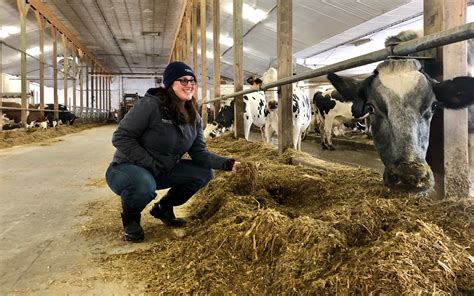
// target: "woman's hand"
[[235, 166]]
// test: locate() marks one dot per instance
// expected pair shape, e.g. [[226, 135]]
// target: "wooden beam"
[[238, 69], [217, 53], [203, 64], [23, 9], [44, 11], [194, 37], [285, 69], [41, 22], [55, 71], [189, 12], [173, 48], [65, 69], [448, 148], [81, 80], [74, 73]]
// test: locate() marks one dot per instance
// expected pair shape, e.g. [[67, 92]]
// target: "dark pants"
[[136, 185]]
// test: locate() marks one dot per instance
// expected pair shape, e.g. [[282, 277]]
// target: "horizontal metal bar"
[[452, 35]]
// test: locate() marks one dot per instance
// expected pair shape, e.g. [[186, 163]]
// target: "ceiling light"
[[6, 31], [359, 42], [33, 51], [253, 15], [154, 55], [151, 33], [224, 40]]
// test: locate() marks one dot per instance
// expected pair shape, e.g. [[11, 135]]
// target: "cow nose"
[[272, 105], [415, 175]]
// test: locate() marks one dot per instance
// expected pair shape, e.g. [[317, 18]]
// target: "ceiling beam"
[[51, 18]]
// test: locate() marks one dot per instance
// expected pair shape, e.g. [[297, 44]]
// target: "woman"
[[150, 143]]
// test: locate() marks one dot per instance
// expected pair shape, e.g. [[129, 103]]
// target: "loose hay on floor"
[[275, 228], [10, 138]]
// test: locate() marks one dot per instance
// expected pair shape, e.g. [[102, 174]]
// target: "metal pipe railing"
[[452, 35]]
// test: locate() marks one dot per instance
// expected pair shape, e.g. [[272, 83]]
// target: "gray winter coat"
[[149, 137]]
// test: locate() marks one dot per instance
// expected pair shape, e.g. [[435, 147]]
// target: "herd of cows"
[[398, 99], [11, 118]]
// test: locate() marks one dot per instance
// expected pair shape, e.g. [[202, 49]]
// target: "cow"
[[301, 108], [15, 115], [334, 111], [254, 113], [64, 115], [401, 100]]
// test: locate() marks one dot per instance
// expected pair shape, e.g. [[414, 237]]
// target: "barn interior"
[[312, 222]]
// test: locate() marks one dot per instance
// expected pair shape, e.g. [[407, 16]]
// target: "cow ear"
[[347, 87], [455, 93], [250, 80], [258, 81]]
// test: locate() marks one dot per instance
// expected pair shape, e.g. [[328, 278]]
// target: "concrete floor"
[[43, 189]]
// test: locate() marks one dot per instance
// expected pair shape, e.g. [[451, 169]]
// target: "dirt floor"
[[274, 228]]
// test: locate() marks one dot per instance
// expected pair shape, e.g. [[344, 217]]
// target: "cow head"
[[402, 99], [271, 95]]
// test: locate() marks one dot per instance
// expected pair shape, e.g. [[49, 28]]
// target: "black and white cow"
[[254, 113], [334, 111], [401, 99], [64, 115], [301, 110]]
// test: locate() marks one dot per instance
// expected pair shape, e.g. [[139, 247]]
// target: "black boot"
[[166, 215], [131, 224]]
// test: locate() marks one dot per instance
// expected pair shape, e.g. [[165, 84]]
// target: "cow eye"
[[435, 106], [370, 108]]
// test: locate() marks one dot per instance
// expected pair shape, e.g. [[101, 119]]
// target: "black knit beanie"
[[174, 71]]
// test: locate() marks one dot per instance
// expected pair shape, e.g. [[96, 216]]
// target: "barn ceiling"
[[138, 36]]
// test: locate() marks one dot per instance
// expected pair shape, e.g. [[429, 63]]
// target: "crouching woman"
[[150, 142]]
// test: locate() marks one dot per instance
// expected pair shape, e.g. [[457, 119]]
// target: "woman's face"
[[184, 87]]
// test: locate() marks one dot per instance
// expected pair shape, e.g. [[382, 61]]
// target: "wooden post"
[[97, 87], [189, 13], [23, 9], [74, 73], [194, 35], [285, 69], [448, 149], [81, 81], [1, 82], [92, 96], [238, 70], [41, 25], [65, 69], [217, 54], [55, 71], [203, 64]]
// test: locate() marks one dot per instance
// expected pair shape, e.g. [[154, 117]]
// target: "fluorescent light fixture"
[[249, 13], [253, 15], [224, 40], [6, 31], [33, 51]]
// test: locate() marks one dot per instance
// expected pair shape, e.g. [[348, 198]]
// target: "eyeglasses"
[[185, 82]]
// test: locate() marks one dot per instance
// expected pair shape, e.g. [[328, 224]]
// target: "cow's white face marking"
[[400, 83]]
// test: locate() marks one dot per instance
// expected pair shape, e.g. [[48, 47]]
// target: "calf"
[[334, 111], [301, 107]]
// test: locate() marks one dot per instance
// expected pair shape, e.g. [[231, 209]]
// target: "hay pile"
[[279, 229], [21, 136]]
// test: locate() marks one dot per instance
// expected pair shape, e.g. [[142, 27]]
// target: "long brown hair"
[[182, 113]]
